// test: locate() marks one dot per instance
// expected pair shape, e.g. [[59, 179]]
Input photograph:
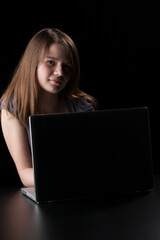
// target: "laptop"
[[90, 154]]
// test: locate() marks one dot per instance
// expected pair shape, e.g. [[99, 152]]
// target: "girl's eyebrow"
[[50, 57]]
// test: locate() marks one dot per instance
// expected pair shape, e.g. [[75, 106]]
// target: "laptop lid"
[[91, 153]]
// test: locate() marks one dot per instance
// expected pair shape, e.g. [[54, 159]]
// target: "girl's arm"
[[17, 142]]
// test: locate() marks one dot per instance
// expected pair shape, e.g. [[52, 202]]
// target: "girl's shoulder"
[[79, 105], [10, 106]]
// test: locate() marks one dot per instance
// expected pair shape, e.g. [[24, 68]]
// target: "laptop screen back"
[[91, 153]]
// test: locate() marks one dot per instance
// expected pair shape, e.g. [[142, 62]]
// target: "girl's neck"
[[51, 103]]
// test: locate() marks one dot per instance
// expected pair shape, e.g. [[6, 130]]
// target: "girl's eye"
[[51, 63]]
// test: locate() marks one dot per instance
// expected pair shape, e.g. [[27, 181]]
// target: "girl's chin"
[[51, 91]]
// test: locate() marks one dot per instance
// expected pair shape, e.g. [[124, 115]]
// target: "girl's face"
[[54, 72]]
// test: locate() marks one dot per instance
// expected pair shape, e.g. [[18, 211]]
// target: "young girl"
[[45, 81]]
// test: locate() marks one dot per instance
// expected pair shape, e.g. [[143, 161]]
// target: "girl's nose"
[[58, 70]]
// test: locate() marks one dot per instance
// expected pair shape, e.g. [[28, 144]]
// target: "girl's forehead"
[[58, 51]]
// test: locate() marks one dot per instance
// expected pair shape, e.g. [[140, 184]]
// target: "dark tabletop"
[[127, 218]]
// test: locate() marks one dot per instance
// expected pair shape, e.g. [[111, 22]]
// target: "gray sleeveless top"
[[76, 105]]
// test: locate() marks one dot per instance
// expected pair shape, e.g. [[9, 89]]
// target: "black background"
[[118, 47]]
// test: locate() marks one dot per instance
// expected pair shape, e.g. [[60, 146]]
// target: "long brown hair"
[[24, 88]]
